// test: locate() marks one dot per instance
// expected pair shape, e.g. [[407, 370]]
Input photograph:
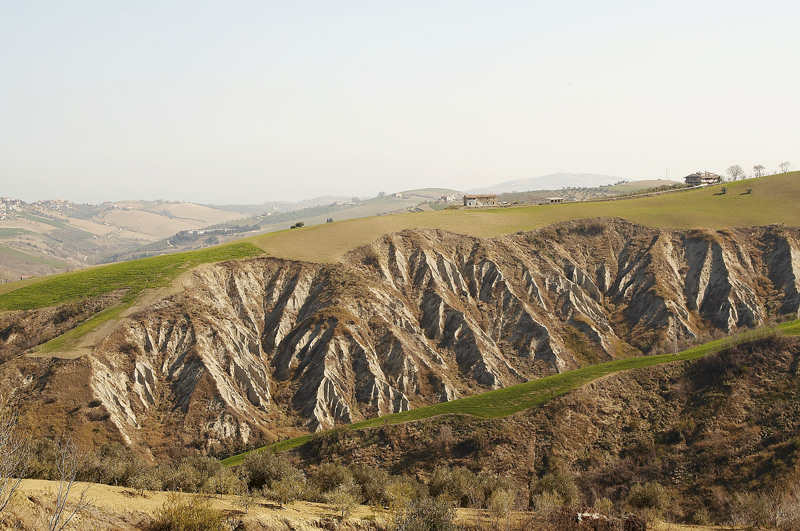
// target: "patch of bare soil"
[[125, 509]]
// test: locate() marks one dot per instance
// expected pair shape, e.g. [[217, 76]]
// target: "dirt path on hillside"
[[146, 298]]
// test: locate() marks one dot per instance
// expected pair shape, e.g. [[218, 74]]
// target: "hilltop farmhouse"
[[702, 177], [452, 198], [480, 200]]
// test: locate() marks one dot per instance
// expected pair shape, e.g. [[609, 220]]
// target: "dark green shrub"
[[753, 510], [117, 464], [329, 476], [561, 484], [262, 468], [459, 484], [649, 498], [224, 481], [344, 498], [373, 483], [287, 489], [190, 474], [427, 515]]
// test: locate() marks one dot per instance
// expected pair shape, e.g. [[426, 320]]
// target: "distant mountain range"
[[554, 181]]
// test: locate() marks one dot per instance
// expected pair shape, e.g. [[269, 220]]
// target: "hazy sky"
[[246, 102]]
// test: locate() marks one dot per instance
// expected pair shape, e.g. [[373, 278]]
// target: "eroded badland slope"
[[251, 350]]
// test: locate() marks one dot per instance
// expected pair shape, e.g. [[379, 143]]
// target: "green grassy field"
[[774, 199], [510, 400], [12, 232], [136, 275]]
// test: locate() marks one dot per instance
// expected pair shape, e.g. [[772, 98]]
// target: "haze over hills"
[[231, 347], [52, 236], [553, 181]]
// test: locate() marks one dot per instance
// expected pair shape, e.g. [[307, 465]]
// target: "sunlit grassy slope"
[[510, 400], [135, 276], [774, 199]]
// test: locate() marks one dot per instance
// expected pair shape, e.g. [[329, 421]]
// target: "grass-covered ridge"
[[134, 276], [510, 400]]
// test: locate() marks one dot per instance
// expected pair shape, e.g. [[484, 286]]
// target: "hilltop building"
[[480, 200], [701, 178]]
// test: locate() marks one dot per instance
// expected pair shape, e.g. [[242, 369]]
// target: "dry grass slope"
[[124, 509], [774, 199]]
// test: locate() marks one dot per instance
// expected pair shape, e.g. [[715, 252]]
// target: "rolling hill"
[[48, 237], [774, 199], [349, 320], [553, 181]]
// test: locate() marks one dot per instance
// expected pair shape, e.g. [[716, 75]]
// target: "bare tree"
[[758, 170], [68, 460], [14, 453], [735, 172], [784, 166]]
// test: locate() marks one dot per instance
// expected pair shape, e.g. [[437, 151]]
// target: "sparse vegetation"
[[179, 515], [131, 277], [648, 496], [280, 478]]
